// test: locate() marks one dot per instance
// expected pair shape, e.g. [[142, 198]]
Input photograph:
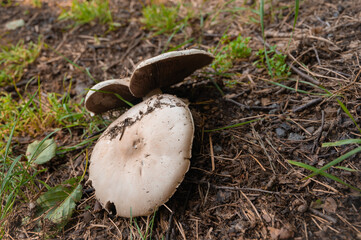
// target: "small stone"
[[273, 111], [302, 208], [14, 24], [285, 126], [295, 137], [311, 129], [280, 133], [21, 236], [97, 206], [223, 197], [217, 148], [31, 206], [87, 217]]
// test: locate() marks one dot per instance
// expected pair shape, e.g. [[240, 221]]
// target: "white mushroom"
[[142, 157], [103, 96], [165, 70]]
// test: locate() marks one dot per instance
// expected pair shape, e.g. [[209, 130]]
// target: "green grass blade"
[[297, 7], [330, 176], [347, 169], [261, 14], [16, 122], [85, 70], [334, 162], [8, 174], [116, 94], [233, 126], [341, 142], [344, 108]]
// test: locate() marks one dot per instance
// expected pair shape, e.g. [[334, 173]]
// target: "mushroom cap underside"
[[142, 157], [103, 96], [166, 70]]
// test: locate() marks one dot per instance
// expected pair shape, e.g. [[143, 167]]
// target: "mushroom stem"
[[152, 93]]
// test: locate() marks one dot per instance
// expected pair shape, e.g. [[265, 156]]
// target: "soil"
[[240, 184]]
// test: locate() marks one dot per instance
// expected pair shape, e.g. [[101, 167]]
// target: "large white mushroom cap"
[[142, 157]]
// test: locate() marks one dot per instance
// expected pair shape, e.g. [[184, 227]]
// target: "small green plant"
[[83, 12], [230, 51], [162, 19], [5, 3], [36, 3], [14, 59], [277, 63]]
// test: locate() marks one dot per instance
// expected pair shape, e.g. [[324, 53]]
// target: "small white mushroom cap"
[[101, 97], [142, 157], [166, 70]]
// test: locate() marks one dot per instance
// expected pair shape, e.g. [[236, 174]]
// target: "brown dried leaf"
[[330, 205]]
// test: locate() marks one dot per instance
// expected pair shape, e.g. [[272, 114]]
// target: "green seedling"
[[37, 3], [14, 59], [161, 19], [274, 62], [277, 65], [229, 51], [83, 12]]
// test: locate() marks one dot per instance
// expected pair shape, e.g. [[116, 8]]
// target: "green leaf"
[[60, 201], [41, 151]]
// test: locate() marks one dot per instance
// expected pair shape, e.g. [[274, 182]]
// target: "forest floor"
[[241, 184]]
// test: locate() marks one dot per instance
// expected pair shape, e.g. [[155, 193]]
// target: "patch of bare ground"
[[240, 185]]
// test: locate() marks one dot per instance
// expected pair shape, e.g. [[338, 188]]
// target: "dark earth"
[[240, 184]]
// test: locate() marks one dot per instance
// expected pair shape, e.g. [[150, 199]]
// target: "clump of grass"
[[148, 229], [49, 112], [276, 65], [13, 174], [83, 12], [37, 3], [14, 59], [162, 19], [230, 51], [31, 117]]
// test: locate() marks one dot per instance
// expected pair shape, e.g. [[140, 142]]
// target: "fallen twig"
[[320, 133], [307, 105]]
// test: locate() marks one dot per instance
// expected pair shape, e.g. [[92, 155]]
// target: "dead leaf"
[[286, 232], [274, 232], [265, 101], [266, 216], [330, 205]]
